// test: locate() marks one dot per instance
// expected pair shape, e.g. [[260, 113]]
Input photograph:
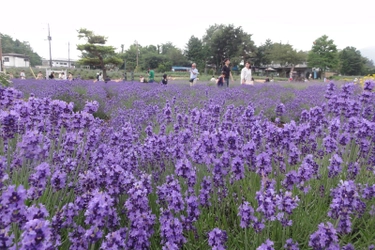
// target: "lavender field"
[[126, 165]]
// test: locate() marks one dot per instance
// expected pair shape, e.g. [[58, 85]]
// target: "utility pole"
[[137, 52], [49, 41], [68, 54], [1, 56]]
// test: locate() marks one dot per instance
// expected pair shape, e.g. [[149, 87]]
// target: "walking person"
[[151, 75], [227, 71], [246, 74], [193, 74]]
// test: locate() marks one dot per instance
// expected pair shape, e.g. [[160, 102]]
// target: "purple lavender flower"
[[238, 170], [348, 247], [204, 196], [217, 239], [334, 167], [263, 164], [101, 212], [280, 109], [38, 180], [35, 212], [169, 194], [346, 202], [291, 179], [369, 85], [91, 107], [246, 212], [192, 211], [266, 198], [36, 235], [114, 240], [3, 176], [353, 170], [268, 245], [58, 180], [12, 205], [290, 245], [171, 230], [325, 237], [6, 238], [139, 214]]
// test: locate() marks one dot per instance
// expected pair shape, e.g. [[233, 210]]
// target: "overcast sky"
[[156, 22]]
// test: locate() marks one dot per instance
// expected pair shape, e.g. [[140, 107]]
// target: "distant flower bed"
[[127, 165]]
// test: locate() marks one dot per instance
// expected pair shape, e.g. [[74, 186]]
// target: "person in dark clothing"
[[226, 70], [52, 75], [107, 79], [164, 80], [221, 79]]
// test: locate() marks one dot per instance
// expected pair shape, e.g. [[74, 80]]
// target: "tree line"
[[227, 41], [208, 52]]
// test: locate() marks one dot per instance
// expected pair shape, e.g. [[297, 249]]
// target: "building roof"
[[15, 55]]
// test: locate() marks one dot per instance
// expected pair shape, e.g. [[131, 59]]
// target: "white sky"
[[156, 22]]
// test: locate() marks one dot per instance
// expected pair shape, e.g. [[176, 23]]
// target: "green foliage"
[[351, 61], [4, 81], [94, 53], [226, 41], [196, 53], [263, 54], [323, 54], [10, 45], [284, 54]]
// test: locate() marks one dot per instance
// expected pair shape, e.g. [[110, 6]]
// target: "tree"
[[285, 55], [173, 55], [196, 53], [351, 61], [10, 45], [95, 53], [323, 54], [130, 56], [227, 41], [263, 54]]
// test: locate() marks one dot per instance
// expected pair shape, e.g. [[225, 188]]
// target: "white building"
[[59, 63], [15, 60]]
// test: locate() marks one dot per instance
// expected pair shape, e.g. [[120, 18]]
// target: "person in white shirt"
[[246, 75], [193, 74], [22, 74], [213, 79]]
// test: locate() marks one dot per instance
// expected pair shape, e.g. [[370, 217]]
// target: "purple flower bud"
[[217, 239]]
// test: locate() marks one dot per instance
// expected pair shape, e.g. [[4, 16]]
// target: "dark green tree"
[[10, 45], [351, 61], [323, 54], [286, 55], [227, 41], [263, 54], [195, 52], [95, 53], [130, 56]]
